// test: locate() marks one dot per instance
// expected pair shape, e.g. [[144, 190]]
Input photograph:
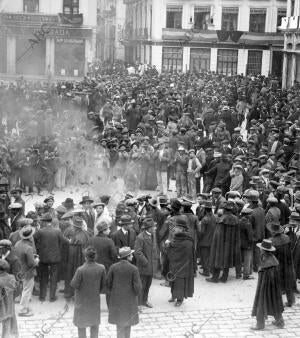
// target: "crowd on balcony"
[[209, 169]]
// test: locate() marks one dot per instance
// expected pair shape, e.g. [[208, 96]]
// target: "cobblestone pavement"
[[204, 324]]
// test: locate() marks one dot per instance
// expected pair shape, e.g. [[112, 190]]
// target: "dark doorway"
[[277, 60]]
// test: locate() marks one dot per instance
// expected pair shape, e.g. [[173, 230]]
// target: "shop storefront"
[[30, 61], [69, 57], [34, 44]]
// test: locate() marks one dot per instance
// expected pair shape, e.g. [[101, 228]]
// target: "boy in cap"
[[268, 298]]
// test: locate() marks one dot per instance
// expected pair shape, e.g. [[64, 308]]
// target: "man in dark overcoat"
[[225, 251], [49, 241], [181, 262], [88, 282], [145, 252], [126, 235], [124, 285], [207, 228], [257, 219], [105, 247], [268, 298], [283, 253], [78, 239]]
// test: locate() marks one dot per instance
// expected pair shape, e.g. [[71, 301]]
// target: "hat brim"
[[272, 249], [26, 237], [91, 201], [129, 253]]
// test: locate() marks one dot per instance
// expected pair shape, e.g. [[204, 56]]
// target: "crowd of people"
[[209, 169]]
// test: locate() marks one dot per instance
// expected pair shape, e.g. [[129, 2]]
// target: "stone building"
[[227, 36], [291, 61], [47, 37]]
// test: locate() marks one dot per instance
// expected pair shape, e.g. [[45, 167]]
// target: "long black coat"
[[258, 223], [78, 240], [145, 253], [123, 284], [106, 250], [268, 298], [49, 243], [225, 250], [88, 282], [182, 262], [207, 229], [283, 254]]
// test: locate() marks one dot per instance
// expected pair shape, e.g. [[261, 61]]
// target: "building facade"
[[47, 37], [111, 20], [227, 36], [291, 61]]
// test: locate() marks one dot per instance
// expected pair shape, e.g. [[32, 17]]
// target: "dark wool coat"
[[106, 250], [78, 240], [283, 254], [258, 223], [225, 250], [145, 253], [88, 282], [246, 233], [7, 287], [207, 229], [122, 240], [194, 227], [123, 285], [268, 298], [49, 242], [182, 262]]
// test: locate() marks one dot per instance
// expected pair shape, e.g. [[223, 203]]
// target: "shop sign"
[[13, 18], [52, 32]]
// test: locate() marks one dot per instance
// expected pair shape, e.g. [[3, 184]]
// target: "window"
[[254, 62], [200, 59], [227, 61], [201, 17], [257, 20], [172, 58], [31, 6], [230, 18], [71, 7], [281, 13], [174, 17]]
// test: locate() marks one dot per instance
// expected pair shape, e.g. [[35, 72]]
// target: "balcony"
[[211, 36], [71, 19]]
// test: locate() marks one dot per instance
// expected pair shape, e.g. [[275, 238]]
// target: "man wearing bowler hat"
[[145, 254], [16, 193], [126, 235], [124, 285], [268, 298], [88, 214]]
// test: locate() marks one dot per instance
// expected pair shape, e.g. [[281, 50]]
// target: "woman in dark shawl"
[[268, 299], [181, 262]]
